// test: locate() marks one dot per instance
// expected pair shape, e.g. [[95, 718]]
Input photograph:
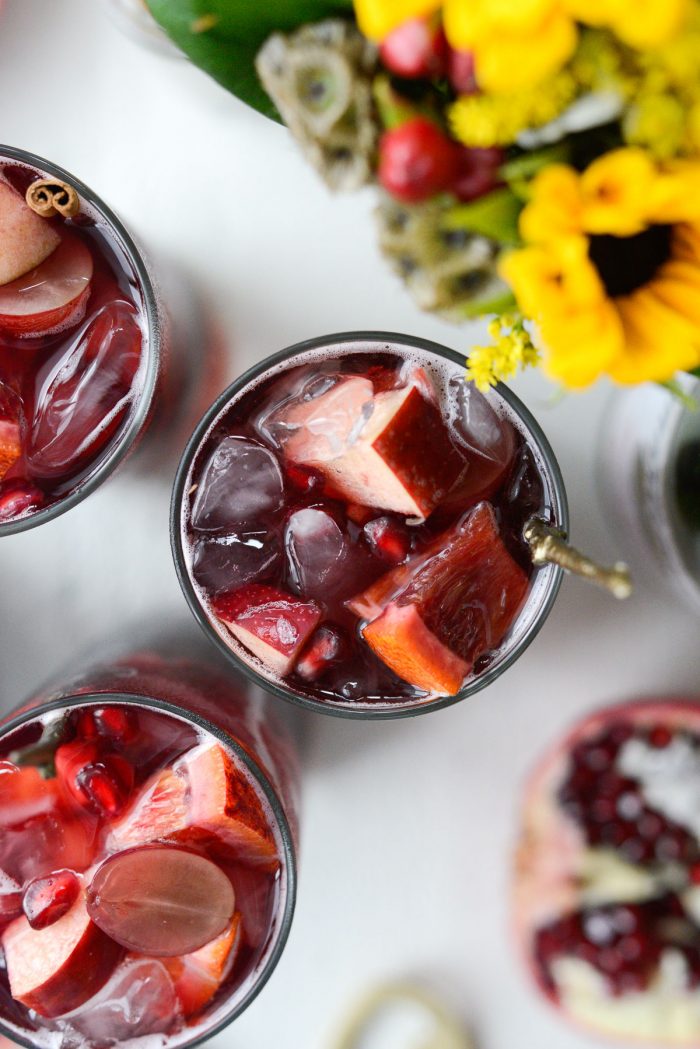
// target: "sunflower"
[[610, 271]]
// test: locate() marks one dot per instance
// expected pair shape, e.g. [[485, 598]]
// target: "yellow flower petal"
[[555, 207], [648, 23], [581, 349], [377, 18], [616, 192], [515, 45], [686, 242], [677, 285], [675, 193], [658, 340]]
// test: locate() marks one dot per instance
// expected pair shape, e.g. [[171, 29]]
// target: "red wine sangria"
[[347, 525], [79, 341], [146, 856]]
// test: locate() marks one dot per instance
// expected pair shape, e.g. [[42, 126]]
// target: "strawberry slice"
[[56, 969], [273, 624], [204, 797], [51, 296], [25, 239], [198, 976], [458, 604], [390, 450]]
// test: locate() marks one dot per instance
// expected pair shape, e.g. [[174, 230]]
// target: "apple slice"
[[204, 797], [273, 624], [25, 239], [390, 450], [198, 976], [51, 296], [458, 604], [56, 969]]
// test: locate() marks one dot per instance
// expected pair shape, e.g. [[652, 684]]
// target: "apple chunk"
[[390, 450], [56, 969], [51, 296], [198, 976], [433, 619], [204, 797], [273, 624], [25, 239]]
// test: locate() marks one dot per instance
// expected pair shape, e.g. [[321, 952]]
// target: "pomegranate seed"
[[107, 784], [304, 478], [417, 48], [48, 899], [96, 780], [389, 539], [117, 723], [19, 498], [478, 172], [660, 736], [417, 160], [323, 650], [461, 72]]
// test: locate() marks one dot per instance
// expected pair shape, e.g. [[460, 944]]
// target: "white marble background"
[[408, 827]]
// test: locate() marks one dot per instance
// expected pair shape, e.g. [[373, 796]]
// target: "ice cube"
[[138, 999], [317, 552], [85, 393], [230, 562], [240, 489], [476, 425]]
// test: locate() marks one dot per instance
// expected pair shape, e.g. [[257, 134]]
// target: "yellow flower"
[[377, 18], [511, 349], [516, 44], [494, 120], [611, 268]]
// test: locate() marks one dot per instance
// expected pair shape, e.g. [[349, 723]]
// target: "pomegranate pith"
[[607, 893]]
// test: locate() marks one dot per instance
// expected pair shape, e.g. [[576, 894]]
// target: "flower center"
[[626, 263]]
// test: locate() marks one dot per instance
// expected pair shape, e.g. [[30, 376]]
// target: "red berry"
[[416, 48], [389, 539], [694, 873], [324, 649], [48, 899], [461, 72], [417, 160], [478, 172], [18, 498]]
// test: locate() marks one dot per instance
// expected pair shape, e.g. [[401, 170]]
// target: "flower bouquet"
[[537, 161]]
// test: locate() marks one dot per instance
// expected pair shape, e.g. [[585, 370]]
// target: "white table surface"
[[407, 826]]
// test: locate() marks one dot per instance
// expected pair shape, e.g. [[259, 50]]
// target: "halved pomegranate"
[[50, 297], [204, 796], [607, 901]]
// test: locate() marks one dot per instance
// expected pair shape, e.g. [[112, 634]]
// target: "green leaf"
[[494, 215], [223, 37], [527, 165]]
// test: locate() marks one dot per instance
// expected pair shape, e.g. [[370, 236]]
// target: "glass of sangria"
[[148, 828], [80, 341], [347, 526]]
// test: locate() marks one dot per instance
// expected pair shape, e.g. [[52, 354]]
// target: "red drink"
[[348, 522], [79, 346], [146, 858]]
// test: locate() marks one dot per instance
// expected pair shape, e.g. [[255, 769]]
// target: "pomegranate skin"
[[549, 854]]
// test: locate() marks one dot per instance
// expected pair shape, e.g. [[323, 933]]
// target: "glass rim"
[[385, 711], [151, 311], [151, 702]]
